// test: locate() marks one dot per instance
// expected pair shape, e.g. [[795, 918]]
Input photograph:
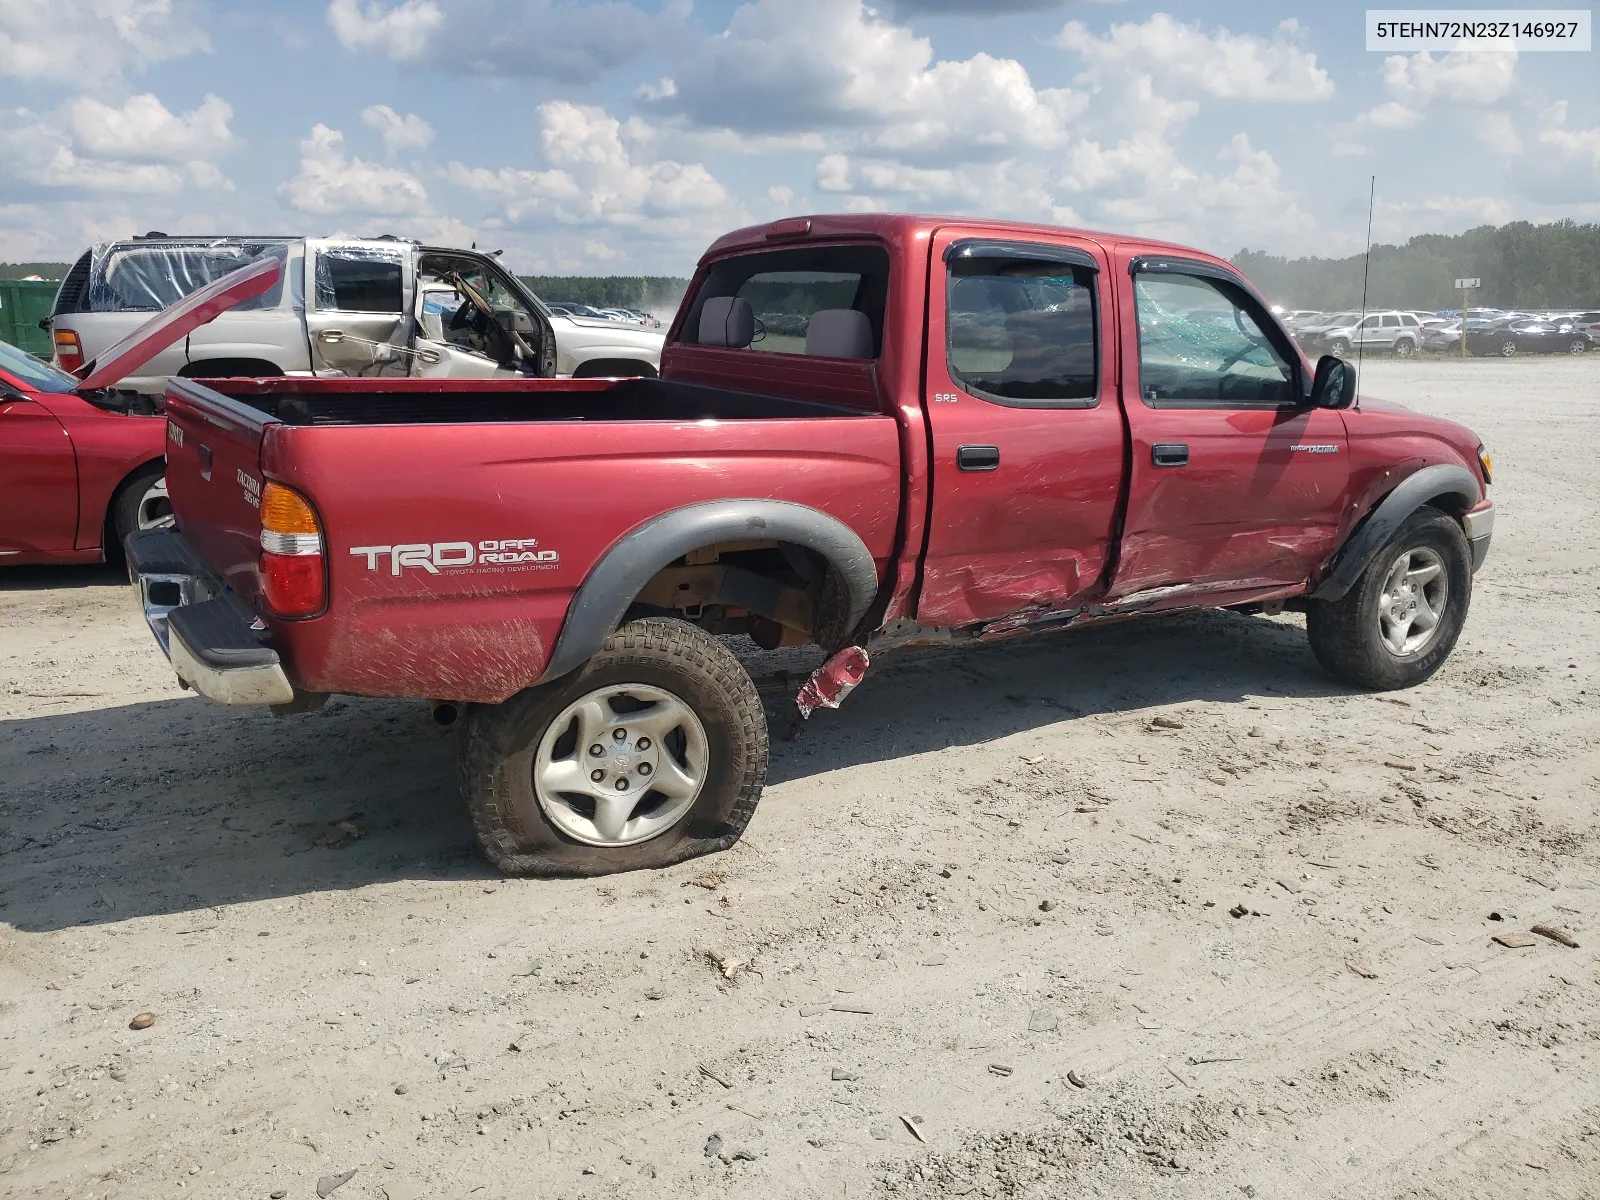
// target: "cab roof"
[[903, 228]]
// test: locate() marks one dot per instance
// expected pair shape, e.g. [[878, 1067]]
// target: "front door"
[[1237, 482], [38, 480], [356, 308], [1021, 394]]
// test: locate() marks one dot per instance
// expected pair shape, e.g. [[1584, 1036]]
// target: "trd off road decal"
[[492, 554]]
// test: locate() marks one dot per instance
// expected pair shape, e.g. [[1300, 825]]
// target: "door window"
[[1022, 332], [1392, 322], [362, 281], [1201, 345]]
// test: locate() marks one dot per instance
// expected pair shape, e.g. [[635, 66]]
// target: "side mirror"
[[1334, 385]]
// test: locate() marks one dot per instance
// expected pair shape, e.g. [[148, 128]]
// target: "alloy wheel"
[[620, 765], [155, 509], [1412, 605]]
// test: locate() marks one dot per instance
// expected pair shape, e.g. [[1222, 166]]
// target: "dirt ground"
[[979, 936]]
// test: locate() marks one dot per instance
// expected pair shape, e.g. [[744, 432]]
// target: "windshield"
[[40, 376]]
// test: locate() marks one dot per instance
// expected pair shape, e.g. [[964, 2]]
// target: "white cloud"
[[409, 132], [67, 40], [1475, 78], [1498, 132], [1575, 144], [142, 128], [549, 39], [330, 182], [793, 67], [597, 174], [138, 147], [833, 173], [1185, 60], [402, 32]]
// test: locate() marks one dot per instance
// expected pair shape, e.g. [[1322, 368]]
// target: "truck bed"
[[299, 401], [564, 469]]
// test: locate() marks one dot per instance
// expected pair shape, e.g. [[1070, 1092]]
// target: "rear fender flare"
[[602, 600], [1442, 481]]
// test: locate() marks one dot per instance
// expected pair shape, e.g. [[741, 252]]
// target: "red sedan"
[[81, 463]]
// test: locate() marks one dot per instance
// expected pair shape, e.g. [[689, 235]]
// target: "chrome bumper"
[[1479, 528], [216, 645]]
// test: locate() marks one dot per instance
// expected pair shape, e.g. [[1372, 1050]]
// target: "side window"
[[1201, 346], [1410, 322], [1022, 332], [358, 281], [150, 278], [1391, 322]]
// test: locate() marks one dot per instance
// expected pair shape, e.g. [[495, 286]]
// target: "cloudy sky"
[[620, 136]]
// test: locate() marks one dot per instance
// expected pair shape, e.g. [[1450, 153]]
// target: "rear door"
[[1236, 481], [357, 305], [1021, 395]]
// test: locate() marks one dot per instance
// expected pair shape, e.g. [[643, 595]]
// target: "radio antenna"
[[1366, 267]]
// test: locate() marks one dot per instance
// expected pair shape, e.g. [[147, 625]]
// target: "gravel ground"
[[979, 940]]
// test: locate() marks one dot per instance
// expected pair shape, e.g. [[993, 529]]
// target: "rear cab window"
[[785, 291]]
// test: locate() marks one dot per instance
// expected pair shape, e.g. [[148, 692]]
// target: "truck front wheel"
[[653, 752], [1400, 621]]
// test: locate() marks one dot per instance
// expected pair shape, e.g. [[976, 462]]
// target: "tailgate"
[[214, 479]]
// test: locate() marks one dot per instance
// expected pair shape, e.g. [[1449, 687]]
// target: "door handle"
[[1170, 454], [978, 458]]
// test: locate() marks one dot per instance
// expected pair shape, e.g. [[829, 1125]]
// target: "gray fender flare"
[[600, 603], [1423, 487]]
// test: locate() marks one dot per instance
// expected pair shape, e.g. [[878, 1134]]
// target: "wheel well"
[[230, 368], [778, 593], [108, 532], [601, 368]]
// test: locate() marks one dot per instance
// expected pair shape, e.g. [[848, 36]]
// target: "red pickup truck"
[[869, 431]]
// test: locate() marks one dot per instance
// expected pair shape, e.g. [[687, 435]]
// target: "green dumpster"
[[23, 304]]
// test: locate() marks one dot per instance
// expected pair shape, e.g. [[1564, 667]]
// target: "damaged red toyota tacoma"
[[869, 431]]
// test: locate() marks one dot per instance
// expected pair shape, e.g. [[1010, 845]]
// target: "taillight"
[[69, 350], [294, 582]]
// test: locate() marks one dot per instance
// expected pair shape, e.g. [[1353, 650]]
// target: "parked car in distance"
[[1394, 332], [1441, 334], [81, 459], [1508, 338], [982, 429], [375, 307]]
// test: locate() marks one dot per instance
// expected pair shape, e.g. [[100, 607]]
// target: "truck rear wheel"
[[1400, 621], [655, 751]]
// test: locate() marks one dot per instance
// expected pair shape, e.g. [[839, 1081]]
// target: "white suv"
[[1398, 332], [345, 306]]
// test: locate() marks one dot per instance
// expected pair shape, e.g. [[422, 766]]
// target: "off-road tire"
[[1345, 633], [512, 828]]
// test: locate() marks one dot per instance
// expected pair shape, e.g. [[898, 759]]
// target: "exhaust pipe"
[[445, 712]]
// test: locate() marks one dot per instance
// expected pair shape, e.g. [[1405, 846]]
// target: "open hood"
[[178, 321]]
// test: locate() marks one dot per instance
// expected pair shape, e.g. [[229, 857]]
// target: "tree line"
[[1522, 266]]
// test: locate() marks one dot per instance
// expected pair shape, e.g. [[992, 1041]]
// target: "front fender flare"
[[1414, 491], [600, 603]]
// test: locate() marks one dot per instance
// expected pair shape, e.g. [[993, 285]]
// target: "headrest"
[[727, 321], [839, 333]]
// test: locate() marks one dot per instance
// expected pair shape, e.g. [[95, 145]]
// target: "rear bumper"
[[1479, 527], [216, 645]]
